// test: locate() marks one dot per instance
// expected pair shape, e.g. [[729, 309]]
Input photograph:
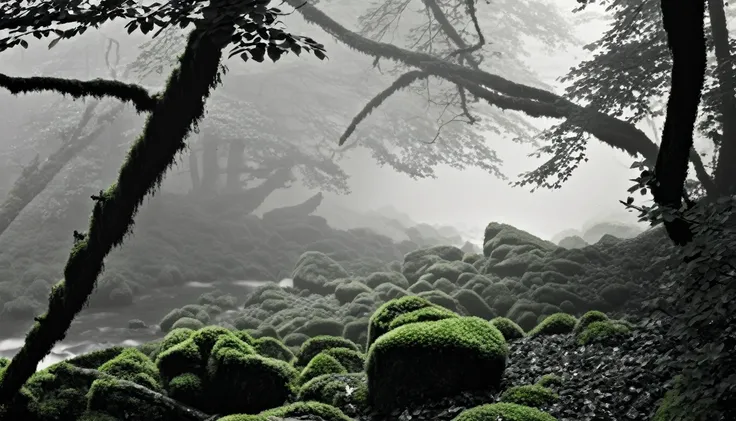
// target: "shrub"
[[508, 328], [555, 324], [431, 360], [316, 345], [505, 411], [535, 396]]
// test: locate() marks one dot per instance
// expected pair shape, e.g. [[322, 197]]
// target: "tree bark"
[[683, 23], [34, 180], [725, 172], [176, 111], [501, 92]]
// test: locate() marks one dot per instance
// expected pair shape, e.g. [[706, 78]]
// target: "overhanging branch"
[[97, 88]]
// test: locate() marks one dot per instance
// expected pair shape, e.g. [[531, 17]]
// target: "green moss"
[[181, 358], [380, 321], [110, 397], [504, 411], [56, 393], [314, 346], [349, 392], [535, 396], [96, 358], [319, 365], [605, 332], [243, 382], [431, 360], [296, 409], [588, 318], [273, 348], [508, 328], [426, 314], [352, 360], [550, 380], [555, 324], [347, 292], [187, 387], [188, 323], [134, 366]]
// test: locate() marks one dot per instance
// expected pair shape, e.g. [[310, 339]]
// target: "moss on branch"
[[97, 88]]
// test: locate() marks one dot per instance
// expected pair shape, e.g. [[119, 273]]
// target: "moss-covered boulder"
[[349, 392], [555, 324], [508, 328], [319, 365], [431, 360], [426, 314], [532, 395], [314, 270], [273, 348], [504, 411], [380, 321], [588, 318], [604, 332], [374, 280], [133, 365], [316, 345], [296, 409], [352, 360]]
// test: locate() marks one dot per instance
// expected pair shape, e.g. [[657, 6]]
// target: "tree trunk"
[[194, 170], [683, 22], [176, 111], [234, 165], [725, 172], [210, 165], [34, 180]]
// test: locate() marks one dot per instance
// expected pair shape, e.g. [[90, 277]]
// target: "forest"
[[171, 248]]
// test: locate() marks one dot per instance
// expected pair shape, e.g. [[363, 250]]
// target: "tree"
[[249, 27]]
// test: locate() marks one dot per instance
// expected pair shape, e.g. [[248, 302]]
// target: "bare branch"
[[97, 88]]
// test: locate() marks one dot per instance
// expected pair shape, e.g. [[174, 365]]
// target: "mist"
[[359, 211]]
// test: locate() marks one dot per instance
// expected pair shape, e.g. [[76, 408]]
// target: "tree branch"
[[97, 88], [508, 95]]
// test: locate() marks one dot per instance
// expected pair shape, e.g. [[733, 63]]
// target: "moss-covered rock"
[[374, 280], [429, 360], [555, 324], [588, 318], [314, 270], [380, 321], [316, 345], [133, 365], [347, 292], [296, 409], [321, 364], [504, 411], [534, 396], [349, 392], [352, 360], [273, 348], [550, 381], [508, 328], [604, 332], [426, 314]]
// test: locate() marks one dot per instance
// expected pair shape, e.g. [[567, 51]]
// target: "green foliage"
[[535, 396], [505, 411], [555, 324], [508, 328], [550, 380], [588, 318], [431, 360], [133, 365]]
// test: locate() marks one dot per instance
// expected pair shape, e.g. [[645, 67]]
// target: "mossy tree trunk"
[[174, 114]]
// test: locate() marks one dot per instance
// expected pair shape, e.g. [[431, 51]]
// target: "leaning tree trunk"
[[725, 172], [35, 179], [683, 22], [176, 111]]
